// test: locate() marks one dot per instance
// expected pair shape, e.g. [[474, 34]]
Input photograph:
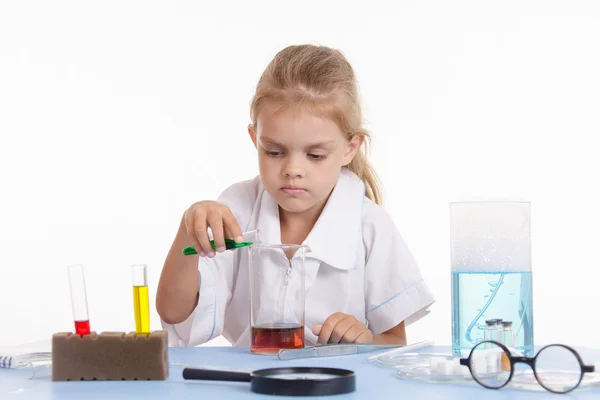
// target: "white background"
[[113, 113]]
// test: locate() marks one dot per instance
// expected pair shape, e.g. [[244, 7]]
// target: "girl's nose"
[[293, 173], [293, 169]]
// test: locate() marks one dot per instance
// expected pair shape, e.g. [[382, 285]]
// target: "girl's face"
[[300, 156]]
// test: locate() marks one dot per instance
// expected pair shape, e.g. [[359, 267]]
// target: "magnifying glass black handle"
[[215, 375]]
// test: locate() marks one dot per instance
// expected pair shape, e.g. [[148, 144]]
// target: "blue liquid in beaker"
[[479, 296]]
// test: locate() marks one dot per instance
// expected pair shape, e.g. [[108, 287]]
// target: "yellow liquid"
[[141, 307]]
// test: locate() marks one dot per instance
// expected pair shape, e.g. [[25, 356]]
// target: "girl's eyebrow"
[[327, 143], [268, 140]]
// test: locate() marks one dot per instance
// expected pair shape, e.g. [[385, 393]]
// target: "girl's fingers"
[[232, 226], [353, 333], [328, 326], [342, 328], [215, 222], [192, 236], [202, 236]]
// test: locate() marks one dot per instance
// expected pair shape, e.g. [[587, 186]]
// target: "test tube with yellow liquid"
[[141, 303]]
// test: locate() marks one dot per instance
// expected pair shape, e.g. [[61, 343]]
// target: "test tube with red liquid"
[[79, 300]]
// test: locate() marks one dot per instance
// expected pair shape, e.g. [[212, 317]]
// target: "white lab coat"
[[359, 264]]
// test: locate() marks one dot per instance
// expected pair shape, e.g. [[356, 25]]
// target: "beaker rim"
[[490, 201], [280, 246]]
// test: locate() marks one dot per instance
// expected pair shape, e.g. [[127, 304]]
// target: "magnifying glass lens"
[[304, 375]]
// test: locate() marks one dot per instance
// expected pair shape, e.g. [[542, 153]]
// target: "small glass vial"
[[507, 334], [490, 331], [498, 330]]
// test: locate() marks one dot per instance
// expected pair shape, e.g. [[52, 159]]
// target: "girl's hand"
[[219, 218], [342, 328]]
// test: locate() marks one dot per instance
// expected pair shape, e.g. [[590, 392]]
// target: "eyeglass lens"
[[558, 369], [490, 365]]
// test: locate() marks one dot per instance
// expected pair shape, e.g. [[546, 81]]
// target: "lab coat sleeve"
[[216, 276], [394, 287], [207, 320]]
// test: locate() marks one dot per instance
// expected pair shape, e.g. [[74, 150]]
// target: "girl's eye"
[[273, 153], [317, 156]]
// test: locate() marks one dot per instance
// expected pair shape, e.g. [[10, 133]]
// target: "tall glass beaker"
[[491, 271], [277, 278]]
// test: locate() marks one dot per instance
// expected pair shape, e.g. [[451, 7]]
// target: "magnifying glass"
[[286, 381]]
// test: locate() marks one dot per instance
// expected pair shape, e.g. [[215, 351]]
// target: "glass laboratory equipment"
[[79, 299], [507, 334], [141, 302], [277, 278], [491, 271]]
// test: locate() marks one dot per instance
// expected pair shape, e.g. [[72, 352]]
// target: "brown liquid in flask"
[[271, 338]]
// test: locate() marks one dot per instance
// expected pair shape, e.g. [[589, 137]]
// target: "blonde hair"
[[319, 79]]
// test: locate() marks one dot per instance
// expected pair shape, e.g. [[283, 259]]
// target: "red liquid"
[[270, 339], [82, 327]]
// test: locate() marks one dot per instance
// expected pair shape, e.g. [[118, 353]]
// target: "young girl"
[[316, 188]]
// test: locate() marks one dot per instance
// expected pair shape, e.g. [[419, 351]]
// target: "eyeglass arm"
[[588, 368]]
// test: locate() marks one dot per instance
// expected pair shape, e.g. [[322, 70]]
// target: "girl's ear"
[[252, 134], [353, 147]]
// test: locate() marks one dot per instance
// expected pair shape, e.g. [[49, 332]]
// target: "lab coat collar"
[[335, 238]]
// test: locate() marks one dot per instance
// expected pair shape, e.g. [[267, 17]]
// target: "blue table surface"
[[372, 381]]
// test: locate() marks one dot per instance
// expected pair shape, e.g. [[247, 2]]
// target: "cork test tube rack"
[[110, 356]]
